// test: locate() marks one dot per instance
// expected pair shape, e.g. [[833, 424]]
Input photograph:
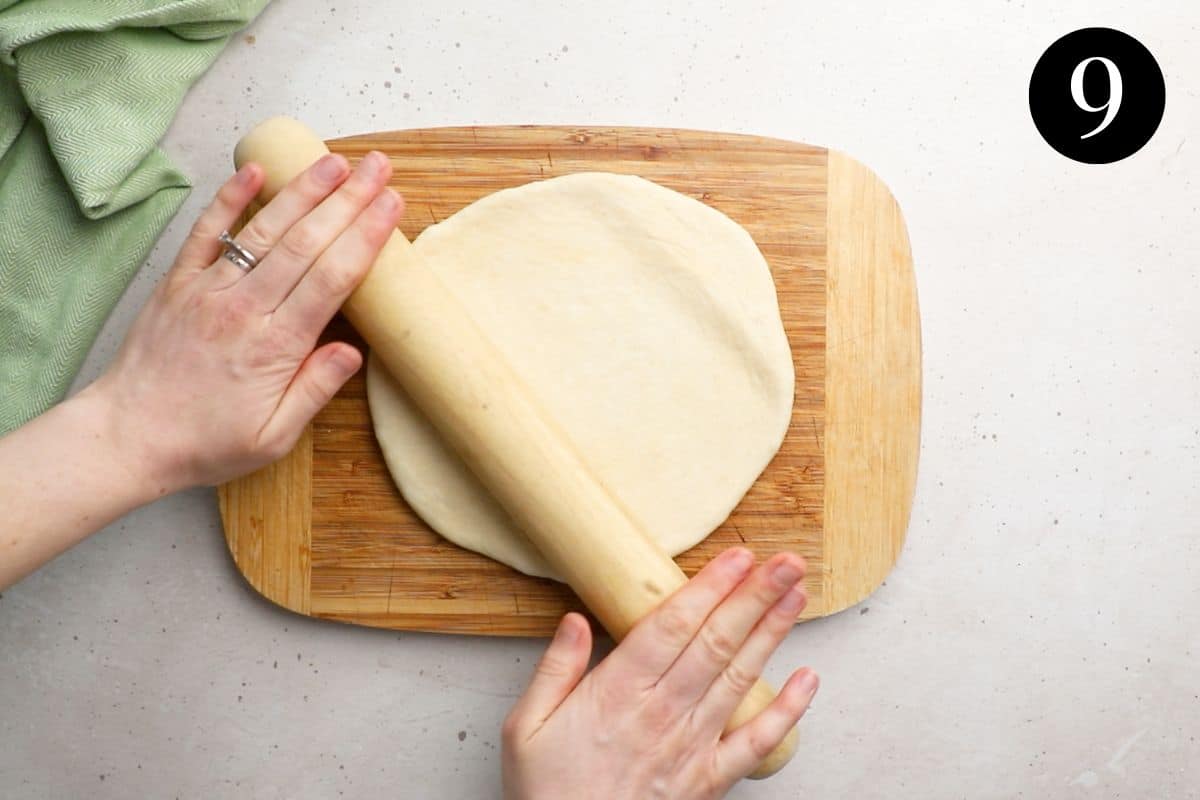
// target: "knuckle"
[[224, 203], [312, 186], [777, 624], [223, 200], [202, 230], [551, 666], [238, 305], [320, 389], [375, 230], [335, 280], [254, 238], [657, 717], [317, 393], [193, 303], [172, 286], [780, 621], [672, 625], [719, 645], [616, 693], [739, 680], [765, 594], [302, 243], [229, 194], [358, 191], [760, 745]]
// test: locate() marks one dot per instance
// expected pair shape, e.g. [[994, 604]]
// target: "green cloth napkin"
[[87, 88]]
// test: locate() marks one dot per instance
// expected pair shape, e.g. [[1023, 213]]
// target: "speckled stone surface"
[[1039, 637]]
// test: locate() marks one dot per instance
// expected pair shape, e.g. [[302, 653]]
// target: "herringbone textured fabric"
[[87, 88]]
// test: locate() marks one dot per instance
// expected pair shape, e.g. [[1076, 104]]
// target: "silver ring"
[[242, 258]]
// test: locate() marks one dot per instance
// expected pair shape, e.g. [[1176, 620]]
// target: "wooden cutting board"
[[325, 533]]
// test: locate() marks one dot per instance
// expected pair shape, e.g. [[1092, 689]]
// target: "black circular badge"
[[1097, 95]]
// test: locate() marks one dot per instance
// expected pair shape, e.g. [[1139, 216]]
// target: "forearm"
[[64, 476]]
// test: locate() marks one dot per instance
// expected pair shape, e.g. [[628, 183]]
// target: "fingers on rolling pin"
[[657, 641], [725, 658], [201, 248], [301, 195], [757, 741]]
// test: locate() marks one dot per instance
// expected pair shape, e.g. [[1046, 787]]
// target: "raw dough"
[[644, 322]]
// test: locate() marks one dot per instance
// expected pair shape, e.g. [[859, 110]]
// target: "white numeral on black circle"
[[1111, 106]]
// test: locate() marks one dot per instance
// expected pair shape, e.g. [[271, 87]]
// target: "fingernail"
[[787, 572], [245, 174], [791, 602], [567, 633], [387, 201], [372, 163], [807, 683], [329, 167], [740, 561], [347, 359]]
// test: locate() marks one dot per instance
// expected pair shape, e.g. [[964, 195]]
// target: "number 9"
[[1115, 88]]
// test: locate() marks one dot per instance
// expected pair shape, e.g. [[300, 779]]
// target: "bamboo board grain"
[[324, 532]]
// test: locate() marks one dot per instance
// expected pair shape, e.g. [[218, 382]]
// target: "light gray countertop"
[[1039, 637]]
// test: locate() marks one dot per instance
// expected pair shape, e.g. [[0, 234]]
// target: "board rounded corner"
[[259, 587], [875, 583], [266, 520], [841, 162]]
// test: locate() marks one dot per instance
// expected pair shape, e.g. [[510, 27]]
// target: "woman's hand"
[[218, 375], [647, 722]]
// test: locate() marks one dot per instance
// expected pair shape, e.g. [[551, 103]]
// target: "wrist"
[[125, 443]]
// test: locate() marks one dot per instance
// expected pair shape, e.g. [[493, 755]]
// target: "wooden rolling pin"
[[429, 342]]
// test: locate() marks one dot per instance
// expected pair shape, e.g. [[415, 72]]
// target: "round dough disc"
[[646, 325]]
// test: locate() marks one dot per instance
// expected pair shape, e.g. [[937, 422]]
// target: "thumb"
[[316, 382], [560, 670]]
